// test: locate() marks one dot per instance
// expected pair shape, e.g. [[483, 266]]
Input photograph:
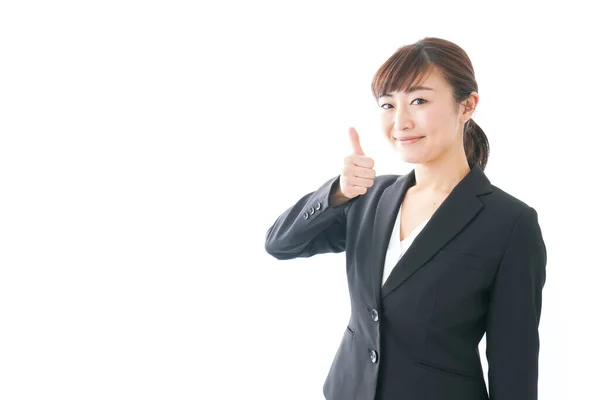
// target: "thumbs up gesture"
[[358, 173]]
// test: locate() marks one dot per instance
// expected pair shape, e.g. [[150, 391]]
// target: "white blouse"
[[397, 247]]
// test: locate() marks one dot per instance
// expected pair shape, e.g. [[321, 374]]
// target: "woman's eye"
[[388, 104]]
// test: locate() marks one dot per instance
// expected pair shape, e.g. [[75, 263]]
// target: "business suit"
[[477, 266]]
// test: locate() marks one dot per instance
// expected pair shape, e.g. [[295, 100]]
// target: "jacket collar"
[[459, 207]]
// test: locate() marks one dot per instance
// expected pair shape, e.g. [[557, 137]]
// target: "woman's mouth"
[[409, 141]]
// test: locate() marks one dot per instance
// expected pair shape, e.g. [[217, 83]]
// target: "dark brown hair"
[[413, 61]]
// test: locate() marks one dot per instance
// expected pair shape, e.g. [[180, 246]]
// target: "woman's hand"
[[357, 174]]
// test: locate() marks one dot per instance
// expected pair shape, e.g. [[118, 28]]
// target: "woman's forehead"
[[430, 82]]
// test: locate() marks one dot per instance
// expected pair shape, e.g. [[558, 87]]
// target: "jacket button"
[[305, 215], [373, 356], [318, 206], [311, 211], [375, 315]]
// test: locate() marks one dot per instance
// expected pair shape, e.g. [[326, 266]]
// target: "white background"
[[146, 148]]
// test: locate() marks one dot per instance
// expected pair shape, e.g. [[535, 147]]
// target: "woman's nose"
[[402, 119]]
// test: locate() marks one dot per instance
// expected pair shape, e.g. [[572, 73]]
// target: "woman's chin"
[[407, 157]]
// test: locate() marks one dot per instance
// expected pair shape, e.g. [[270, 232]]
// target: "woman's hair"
[[413, 61]]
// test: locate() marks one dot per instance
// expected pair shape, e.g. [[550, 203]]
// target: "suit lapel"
[[460, 207]]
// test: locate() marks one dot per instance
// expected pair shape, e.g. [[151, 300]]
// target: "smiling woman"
[[435, 258], [427, 93]]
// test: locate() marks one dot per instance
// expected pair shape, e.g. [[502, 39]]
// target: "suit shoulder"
[[380, 183], [386, 179], [502, 200]]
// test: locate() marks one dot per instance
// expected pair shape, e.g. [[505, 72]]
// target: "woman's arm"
[[316, 224], [514, 314]]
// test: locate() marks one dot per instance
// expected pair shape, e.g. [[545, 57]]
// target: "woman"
[[434, 258]]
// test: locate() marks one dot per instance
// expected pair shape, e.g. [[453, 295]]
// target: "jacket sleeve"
[[311, 226], [512, 339]]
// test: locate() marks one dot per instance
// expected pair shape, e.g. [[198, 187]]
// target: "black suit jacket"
[[478, 266]]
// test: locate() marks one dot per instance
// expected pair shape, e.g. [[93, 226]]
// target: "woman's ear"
[[469, 106]]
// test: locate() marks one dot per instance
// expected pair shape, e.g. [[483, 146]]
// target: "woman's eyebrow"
[[409, 90]]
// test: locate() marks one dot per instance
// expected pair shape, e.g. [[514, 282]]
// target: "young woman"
[[435, 258]]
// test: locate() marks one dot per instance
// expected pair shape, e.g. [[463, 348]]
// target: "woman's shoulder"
[[387, 179], [504, 200], [382, 182]]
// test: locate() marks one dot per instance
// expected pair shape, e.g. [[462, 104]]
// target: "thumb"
[[355, 141]]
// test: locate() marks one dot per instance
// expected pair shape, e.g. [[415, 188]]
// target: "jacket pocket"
[[445, 370], [350, 331], [459, 259]]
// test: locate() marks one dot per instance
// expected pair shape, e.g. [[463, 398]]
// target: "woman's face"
[[427, 111]]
